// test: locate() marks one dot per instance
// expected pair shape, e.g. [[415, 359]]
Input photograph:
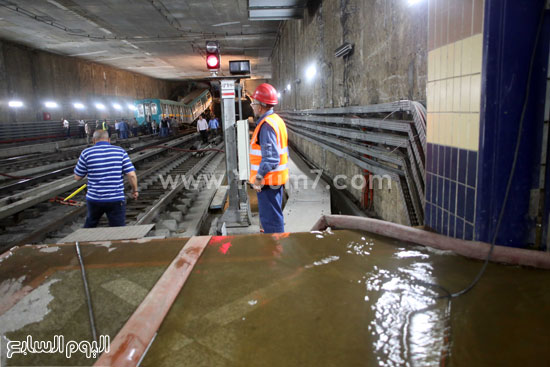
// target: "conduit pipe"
[[471, 249], [135, 337]]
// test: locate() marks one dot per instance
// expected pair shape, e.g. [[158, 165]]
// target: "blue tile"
[[437, 221], [435, 152], [445, 223], [446, 194], [452, 219], [429, 187], [472, 168], [433, 216], [441, 160], [448, 162], [462, 165], [429, 158], [459, 228], [428, 215], [452, 197], [454, 163], [439, 200], [468, 232], [460, 198], [470, 204]]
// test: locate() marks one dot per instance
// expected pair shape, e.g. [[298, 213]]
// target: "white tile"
[[477, 48], [475, 92]]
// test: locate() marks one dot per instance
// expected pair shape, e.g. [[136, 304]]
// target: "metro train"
[[186, 111]]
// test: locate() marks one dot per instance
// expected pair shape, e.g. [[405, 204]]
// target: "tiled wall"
[[453, 102]]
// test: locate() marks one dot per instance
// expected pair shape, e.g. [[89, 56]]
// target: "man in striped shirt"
[[105, 164]]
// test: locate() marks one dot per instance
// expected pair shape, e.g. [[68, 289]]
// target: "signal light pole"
[[213, 60]]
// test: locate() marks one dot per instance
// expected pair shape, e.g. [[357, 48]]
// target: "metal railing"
[[23, 131]]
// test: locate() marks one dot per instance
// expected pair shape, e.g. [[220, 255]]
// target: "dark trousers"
[[116, 213], [204, 136], [270, 206]]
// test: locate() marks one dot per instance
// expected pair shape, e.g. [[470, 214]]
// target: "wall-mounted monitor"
[[239, 67]]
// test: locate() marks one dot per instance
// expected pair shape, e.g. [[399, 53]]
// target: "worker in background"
[[81, 129], [117, 129], [154, 127], [268, 159], [123, 129], [104, 164], [202, 128], [105, 127], [88, 130], [214, 126], [164, 127], [134, 128], [67, 127]]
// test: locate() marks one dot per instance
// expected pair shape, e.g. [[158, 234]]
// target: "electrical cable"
[[448, 295], [87, 292], [516, 155]]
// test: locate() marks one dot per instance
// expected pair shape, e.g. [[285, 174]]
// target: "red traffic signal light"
[[212, 55]]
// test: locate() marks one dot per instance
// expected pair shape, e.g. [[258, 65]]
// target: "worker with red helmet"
[[269, 158]]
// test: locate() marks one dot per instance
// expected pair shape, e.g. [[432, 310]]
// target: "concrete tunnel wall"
[[389, 63], [34, 76]]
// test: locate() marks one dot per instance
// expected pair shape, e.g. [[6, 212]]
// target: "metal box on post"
[[243, 150]]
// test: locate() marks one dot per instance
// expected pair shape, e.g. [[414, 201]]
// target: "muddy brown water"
[[351, 299], [309, 299]]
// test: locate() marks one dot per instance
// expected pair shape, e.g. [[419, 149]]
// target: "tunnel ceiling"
[[163, 39]]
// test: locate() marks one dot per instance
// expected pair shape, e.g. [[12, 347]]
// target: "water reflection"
[[409, 323]]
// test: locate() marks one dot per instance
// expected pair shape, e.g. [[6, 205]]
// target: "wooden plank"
[[219, 198]]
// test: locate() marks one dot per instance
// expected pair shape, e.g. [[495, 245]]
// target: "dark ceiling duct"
[[276, 9]]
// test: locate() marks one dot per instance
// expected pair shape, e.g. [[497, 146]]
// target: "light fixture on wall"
[[100, 106], [15, 104], [78, 105], [131, 107], [117, 106], [345, 50], [288, 87], [50, 104], [311, 71], [413, 2]]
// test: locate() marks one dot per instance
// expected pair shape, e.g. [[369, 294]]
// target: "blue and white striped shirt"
[[104, 164]]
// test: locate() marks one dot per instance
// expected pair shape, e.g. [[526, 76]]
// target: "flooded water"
[[42, 295], [310, 299], [351, 299]]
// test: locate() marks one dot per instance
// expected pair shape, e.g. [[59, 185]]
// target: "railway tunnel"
[[414, 137]]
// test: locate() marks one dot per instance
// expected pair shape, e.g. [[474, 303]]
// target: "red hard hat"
[[266, 93]]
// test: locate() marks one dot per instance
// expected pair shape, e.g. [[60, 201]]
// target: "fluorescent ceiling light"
[[15, 104], [50, 104], [226, 23]]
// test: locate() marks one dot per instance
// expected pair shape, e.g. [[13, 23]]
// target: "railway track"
[[50, 221], [35, 170]]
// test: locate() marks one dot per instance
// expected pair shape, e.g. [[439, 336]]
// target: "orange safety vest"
[[279, 176]]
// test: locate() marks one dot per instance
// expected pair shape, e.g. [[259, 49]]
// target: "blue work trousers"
[[116, 213], [270, 206]]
